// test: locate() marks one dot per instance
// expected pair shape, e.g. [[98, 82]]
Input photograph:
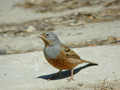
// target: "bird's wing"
[[69, 53], [71, 56]]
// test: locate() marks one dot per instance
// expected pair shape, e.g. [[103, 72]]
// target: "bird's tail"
[[93, 63]]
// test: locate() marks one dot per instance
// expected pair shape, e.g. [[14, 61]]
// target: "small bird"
[[59, 55]]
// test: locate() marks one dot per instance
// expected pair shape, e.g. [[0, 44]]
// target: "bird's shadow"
[[64, 74]]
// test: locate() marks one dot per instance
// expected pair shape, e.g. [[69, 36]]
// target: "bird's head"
[[50, 38]]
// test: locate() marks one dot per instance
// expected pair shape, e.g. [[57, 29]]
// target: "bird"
[[60, 55]]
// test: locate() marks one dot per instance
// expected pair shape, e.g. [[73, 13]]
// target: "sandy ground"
[[31, 70], [91, 25], [18, 15]]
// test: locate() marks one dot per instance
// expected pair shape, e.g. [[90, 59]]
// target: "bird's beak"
[[43, 37]]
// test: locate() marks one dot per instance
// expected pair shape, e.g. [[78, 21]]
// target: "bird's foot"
[[70, 79]]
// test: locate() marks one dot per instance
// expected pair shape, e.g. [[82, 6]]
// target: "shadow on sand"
[[64, 74]]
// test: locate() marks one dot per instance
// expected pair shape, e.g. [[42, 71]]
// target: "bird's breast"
[[51, 52]]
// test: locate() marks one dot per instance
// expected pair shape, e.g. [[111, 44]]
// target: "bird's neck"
[[52, 43]]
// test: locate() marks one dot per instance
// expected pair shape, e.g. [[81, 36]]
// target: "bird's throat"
[[47, 43]]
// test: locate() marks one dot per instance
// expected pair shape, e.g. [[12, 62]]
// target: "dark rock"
[[2, 52]]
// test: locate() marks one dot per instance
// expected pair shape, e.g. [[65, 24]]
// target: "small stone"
[[30, 29], [2, 51], [111, 39], [5, 35]]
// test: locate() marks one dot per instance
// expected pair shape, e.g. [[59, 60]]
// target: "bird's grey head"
[[50, 38]]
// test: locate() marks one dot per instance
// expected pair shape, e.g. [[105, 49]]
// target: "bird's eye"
[[47, 34]]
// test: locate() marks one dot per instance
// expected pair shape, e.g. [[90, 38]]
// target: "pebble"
[[30, 29]]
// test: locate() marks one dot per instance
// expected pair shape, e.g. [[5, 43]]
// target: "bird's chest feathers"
[[51, 52]]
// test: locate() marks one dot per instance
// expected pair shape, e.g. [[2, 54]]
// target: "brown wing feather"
[[69, 53], [72, 56]]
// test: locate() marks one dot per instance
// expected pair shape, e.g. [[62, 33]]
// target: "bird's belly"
[[61, 64]]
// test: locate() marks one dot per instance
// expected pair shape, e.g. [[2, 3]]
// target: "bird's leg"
[[71, 75], [72, 71]]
